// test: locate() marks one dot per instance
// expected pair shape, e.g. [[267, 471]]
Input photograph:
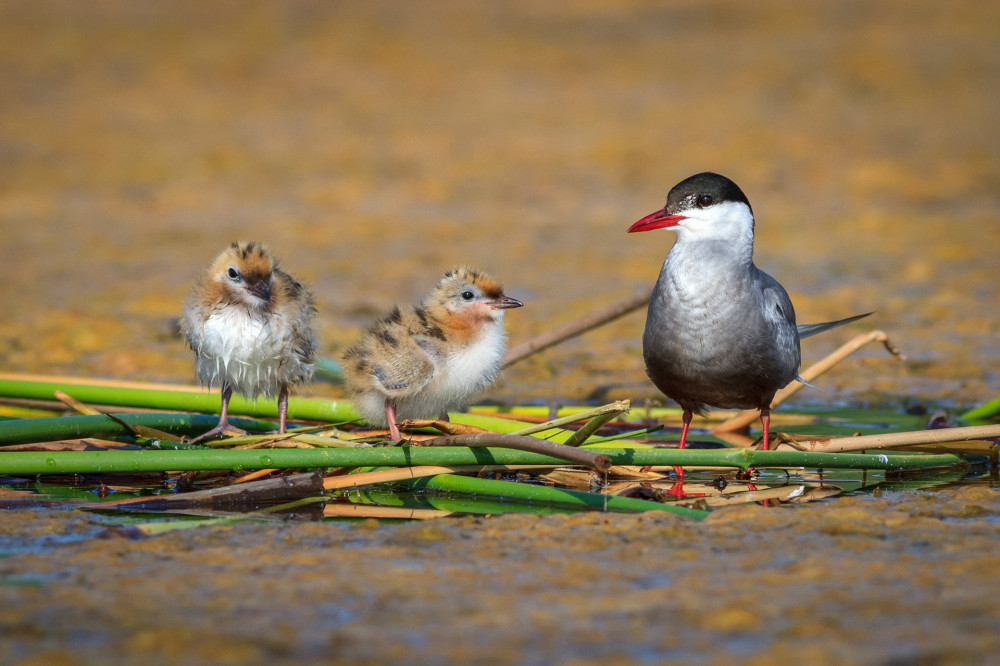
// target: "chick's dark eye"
[[705, 200], [468, 295], [233, 273]]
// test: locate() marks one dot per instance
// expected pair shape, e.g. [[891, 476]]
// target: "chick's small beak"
[[505, 303], [261, 289], [657, 220]]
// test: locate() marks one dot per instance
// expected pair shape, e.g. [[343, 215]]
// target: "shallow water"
[[376, 145]]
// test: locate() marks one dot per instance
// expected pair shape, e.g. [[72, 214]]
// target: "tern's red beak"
[[657, 220]]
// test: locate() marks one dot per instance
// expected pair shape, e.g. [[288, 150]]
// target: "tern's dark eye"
[[233, 274], [468, 295], [704, 200]]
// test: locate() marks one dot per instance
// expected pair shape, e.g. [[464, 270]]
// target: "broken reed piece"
[[571, 329], [615, 409], [342, 481], [138, 431], [597, 461], [447, 427], [897, 439], [746, 417]]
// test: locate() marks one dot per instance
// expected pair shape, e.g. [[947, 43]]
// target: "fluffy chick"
[[427, 359], [251, 326]]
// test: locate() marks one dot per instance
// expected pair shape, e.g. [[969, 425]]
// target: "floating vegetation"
[[487, 461]]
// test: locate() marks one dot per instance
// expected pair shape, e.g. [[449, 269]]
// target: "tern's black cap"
[[702, 190]]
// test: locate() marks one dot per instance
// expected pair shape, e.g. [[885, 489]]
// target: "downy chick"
[[421, 361], [251, 326]]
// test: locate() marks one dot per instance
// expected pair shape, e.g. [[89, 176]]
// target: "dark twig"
[[598, 461], [286, 487]]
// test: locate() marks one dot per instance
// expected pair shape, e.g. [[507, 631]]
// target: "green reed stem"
[[83, 462], [26, 431], [983, 412], [209, 402]]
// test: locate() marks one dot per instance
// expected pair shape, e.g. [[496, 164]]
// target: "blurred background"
[[375, 145]]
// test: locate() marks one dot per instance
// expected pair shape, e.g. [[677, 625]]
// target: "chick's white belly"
[[472, 369], [254, 357]]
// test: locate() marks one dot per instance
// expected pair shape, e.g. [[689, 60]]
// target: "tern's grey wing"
[[777, 310], [805, 330]]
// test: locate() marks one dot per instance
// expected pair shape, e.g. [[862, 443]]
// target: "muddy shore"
[[376, 145]]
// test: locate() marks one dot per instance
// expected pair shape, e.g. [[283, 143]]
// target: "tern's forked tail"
[[806, 330]]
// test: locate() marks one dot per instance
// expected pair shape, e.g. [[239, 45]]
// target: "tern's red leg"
[[390, 416], [688, 414], [765, 422], [677, 490]]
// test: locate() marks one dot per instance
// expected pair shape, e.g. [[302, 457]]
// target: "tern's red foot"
[[677, 490], [678, 493]]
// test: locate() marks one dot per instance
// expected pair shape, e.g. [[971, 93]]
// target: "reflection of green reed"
[[500, 495]]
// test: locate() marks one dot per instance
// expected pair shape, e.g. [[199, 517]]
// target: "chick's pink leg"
[[227, 393], [223, 427], [282, 409], [390, 416]]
